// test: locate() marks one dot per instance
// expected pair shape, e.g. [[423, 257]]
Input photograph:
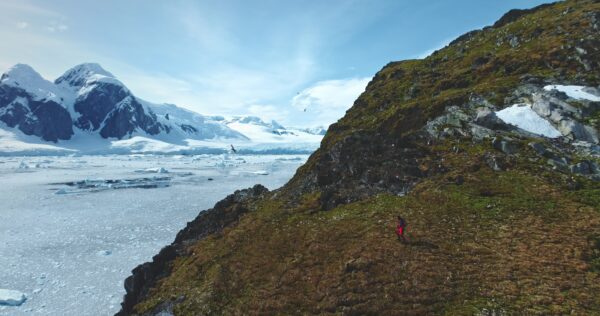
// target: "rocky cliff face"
[[104, 104], [34, 114], [489, 149]]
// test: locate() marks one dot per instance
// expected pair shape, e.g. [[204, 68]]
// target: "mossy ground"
[[514, 242]]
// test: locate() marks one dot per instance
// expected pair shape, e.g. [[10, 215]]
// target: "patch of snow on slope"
[[522, 116], [575, 92]]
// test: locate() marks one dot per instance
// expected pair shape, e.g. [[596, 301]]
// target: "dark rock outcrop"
[[110, 108], [97, 104], [126, 117], [43, 118], [345, 174]]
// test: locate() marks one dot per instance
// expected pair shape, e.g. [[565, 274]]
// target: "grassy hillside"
[[509, 242], [523, 238], [543, 46]]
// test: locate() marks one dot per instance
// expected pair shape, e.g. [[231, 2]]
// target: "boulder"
[[578, 131], [559, 164], [488, 118], [505, 145], [479, 132], [538, 148], [566, 118], [581, 168]]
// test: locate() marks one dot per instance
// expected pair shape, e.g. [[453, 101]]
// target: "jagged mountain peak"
[[21, 71], [84, 73], [25, 77]]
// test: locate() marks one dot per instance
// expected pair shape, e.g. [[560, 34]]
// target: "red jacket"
[[400, 229]]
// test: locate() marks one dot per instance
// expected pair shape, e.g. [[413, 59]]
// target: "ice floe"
[[11, 297], [96, 185], [104, 253], [153, 170]]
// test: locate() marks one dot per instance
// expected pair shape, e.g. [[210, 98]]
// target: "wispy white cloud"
[[26, 8], [268, 112], [56, 26], [26, 15], [207, 28], [24, 47], [227, 75], [326, 101], [228, 90]]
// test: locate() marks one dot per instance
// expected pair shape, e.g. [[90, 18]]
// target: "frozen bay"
[[72, 228]]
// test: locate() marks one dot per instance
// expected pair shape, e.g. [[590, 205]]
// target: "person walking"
[[400, 229]]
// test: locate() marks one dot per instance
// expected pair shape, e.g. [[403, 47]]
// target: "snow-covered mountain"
[[87, 109], [272, 132], [34, 105]]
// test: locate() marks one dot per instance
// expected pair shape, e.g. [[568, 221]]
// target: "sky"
[[300, 62]]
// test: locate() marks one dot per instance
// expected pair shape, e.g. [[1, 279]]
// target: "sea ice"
[[70, 232]]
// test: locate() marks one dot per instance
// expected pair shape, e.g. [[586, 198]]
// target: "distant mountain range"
[[89, 103]]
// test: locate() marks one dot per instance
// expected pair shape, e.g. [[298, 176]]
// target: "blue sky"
[[270, 58]]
